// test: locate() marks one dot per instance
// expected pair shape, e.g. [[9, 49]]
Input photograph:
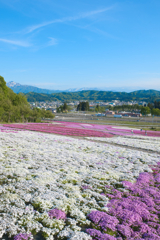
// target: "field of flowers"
[[58, 187]]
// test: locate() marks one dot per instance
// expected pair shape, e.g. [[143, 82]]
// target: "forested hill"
[[15, 108], [12, 106], [141, 95]]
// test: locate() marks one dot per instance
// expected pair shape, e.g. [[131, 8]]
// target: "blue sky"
[[89, 43]]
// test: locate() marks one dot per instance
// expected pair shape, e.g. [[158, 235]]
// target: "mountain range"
[[92, 95], [17, 87]]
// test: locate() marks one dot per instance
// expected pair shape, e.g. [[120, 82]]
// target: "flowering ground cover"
[[82, 129], [8, 129], [57, 187], [150, 143], [132, 214], [116, 130], [59, 129]]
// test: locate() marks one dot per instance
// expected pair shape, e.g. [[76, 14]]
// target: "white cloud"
[[91, 13], [68, 19], [53, 41], [35, 27], [15, 42]]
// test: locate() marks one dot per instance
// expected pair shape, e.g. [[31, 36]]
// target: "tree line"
[[153, 108]]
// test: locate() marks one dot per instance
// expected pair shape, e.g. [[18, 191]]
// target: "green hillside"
[[141, 95], [15, 108]]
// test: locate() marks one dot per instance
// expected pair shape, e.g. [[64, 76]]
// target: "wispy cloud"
[[15, 42], [68, 19], [91, 13], [53, 41], [95, 30], [38, 26], [101, 32]]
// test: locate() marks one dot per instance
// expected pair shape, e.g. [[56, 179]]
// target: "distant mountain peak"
[[13, 84], [17, 88], [81, 89]]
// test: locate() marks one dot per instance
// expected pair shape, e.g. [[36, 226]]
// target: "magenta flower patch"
[[133, 214], [62, 129], [22, 236], [56, 213], [79, 129]]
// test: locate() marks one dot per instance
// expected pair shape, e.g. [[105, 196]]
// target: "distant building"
[[129, 114], [110, 113], [144, 104], [111, 104], [100, 115], [117, 116]]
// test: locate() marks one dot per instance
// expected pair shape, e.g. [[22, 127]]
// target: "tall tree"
[[145, 110], [83, 106]]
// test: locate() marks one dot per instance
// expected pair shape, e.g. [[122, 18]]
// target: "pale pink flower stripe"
[[111, 129]]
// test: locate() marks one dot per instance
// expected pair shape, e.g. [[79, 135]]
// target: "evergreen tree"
[[65, 106], [83, 106]]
